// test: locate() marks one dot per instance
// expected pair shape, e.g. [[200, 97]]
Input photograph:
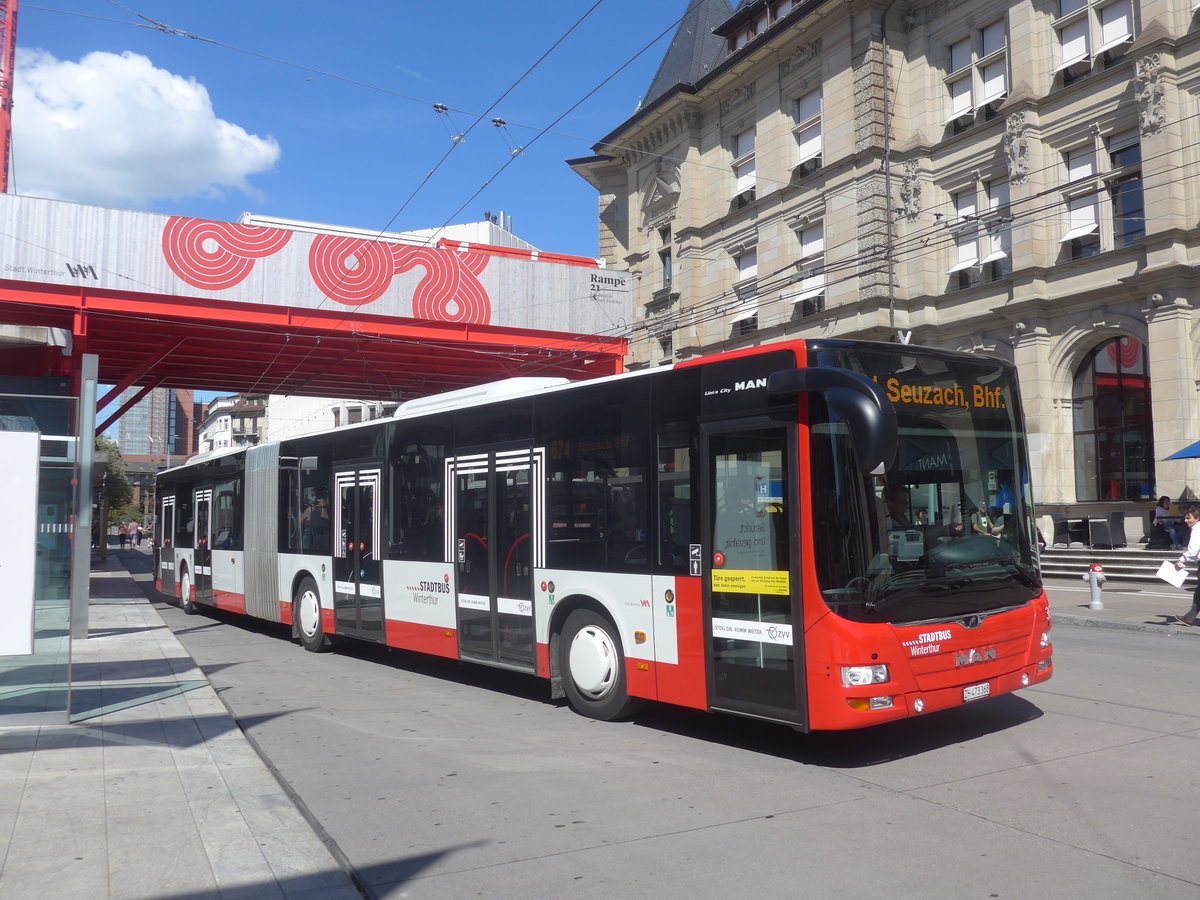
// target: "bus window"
[[227, 515], [289, 508], [950, 511], [417, 475], [596, 480], [674, 499], [315, 520], [315, 512], [184, 526]]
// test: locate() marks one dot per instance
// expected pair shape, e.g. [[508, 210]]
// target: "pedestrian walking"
[[122, 535], [1191, 554], [137, 534]]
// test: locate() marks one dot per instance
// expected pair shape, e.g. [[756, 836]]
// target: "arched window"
[[1113, 431]]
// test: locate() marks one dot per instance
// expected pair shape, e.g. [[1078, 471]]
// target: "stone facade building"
[[1018, 180]]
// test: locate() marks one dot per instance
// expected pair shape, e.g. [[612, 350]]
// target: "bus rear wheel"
[[593, 668], [307, 611], [185, 594]]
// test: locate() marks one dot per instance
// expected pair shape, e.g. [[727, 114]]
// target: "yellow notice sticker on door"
[[751, 581]]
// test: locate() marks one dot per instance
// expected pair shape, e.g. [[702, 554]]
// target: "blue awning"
[[1191, 451]]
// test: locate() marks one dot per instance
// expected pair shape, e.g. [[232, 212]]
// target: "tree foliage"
[[117, 489]]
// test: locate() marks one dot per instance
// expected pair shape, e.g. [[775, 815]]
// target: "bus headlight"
[[1045, 639], [858, 676]]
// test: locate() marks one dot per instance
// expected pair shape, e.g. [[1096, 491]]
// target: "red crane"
[[8, 49]]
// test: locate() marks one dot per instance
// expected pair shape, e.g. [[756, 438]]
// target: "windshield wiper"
[[1025, 574]]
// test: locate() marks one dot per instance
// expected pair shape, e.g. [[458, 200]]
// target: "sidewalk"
[[1141, 606], [152, 791]]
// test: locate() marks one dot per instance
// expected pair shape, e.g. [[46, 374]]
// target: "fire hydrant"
[[1095, 579]]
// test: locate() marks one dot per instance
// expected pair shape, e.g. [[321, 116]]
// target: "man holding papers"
[[1192, 554]]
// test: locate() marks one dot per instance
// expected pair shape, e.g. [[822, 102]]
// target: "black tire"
[[306, 613], [592, 667], [185, 593]]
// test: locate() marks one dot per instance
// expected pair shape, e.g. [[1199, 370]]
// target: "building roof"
[[694, 49], [699, 52]]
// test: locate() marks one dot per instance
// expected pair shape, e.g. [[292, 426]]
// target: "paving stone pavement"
[[151, 791]]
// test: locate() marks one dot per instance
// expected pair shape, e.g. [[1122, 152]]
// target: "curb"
[[1088, 621]]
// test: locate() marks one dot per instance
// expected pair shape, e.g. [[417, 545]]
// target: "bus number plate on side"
[[977, 692]]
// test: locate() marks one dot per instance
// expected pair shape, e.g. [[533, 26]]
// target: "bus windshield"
[[948, 530]]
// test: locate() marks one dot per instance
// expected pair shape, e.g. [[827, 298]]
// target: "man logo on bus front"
[[973, 656]]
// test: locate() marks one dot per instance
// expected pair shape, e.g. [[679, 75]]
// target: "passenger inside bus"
[[897, 507], [982, 522], [314, 521]]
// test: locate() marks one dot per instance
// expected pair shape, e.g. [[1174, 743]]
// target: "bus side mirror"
[[855, 399]]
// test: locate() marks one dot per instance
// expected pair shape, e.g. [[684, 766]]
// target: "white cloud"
[[113, 129]]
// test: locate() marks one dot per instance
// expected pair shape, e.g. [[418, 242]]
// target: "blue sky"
[[115, 114]]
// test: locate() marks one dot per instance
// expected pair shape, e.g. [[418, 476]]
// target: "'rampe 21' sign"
[[219, 255]]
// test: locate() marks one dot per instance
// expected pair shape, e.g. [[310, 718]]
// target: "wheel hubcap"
[[308, 613], [593, 662]]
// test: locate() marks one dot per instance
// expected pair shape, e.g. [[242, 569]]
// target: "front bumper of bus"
[[873, 706]]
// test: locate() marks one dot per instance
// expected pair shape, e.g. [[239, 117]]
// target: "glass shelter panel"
[[35, 688]]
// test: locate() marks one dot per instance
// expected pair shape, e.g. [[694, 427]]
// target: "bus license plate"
[[977, 691]]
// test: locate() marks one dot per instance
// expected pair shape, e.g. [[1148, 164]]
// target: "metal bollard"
[[1095, 578]]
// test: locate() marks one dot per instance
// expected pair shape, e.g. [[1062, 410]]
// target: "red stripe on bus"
[[285, 612], [543, 660], [686, 682], [328, 622], [229, 601], [432, 639]]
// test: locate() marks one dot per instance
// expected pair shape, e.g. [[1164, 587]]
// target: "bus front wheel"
[[593, 667], [308, 617], [185, 594]]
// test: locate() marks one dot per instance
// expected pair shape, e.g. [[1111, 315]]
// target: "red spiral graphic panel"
[[350, 270], [451, 290], [217, 255]]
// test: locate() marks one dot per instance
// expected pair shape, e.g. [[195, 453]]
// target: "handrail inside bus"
[[857, 400]]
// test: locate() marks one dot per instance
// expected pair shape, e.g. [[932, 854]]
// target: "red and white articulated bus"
[[826, 534]]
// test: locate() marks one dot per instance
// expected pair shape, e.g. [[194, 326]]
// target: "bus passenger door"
[[497, 543], [752, 610], [357, 566], [164, 546], [202, 554]]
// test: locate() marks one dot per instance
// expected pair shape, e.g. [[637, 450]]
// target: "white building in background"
[[289, 416], [238, 420]]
